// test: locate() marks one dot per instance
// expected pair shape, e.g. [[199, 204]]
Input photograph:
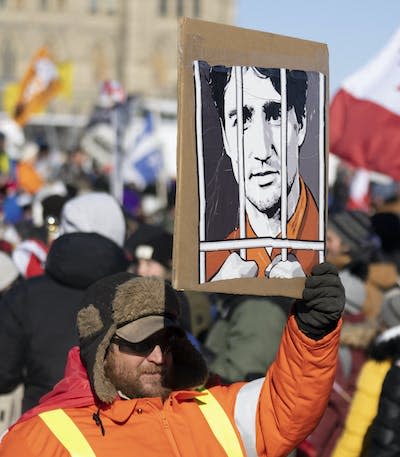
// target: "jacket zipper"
[[169, 434]]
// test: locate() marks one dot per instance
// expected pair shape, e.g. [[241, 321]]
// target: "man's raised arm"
[[275, 415]]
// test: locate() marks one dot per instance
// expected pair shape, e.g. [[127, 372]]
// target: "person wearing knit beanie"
[[155, 256], [353, 229], [351, 242]]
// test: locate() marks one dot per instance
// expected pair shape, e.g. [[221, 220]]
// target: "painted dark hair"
[[296, 86]]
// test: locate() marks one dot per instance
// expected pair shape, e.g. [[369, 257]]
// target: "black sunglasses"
[[164, 338]]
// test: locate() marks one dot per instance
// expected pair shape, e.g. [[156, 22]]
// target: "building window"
[[3, 3], [179, 8], [163, 7], [43, 4], [93, 6], [61, 5], [196, 8]]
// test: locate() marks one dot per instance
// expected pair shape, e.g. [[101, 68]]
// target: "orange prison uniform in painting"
[[303, 225]]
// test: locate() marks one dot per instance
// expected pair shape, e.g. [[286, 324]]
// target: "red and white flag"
[[365, 114], [359, 198]]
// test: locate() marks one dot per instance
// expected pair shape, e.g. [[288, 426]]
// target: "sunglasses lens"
[[163, 339]]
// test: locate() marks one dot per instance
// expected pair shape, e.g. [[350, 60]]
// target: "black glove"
[[318, 313]]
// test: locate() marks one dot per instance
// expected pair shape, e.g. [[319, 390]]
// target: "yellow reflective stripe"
[[220, 424], [67, 433]]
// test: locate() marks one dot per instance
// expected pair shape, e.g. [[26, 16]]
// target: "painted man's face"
[[262, 142]]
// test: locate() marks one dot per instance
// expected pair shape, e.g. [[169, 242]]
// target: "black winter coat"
[[38, 316], [383, 438]]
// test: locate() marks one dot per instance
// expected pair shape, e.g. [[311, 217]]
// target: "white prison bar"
[[283, 161], [321, 197], [207, 246], [200, 167], [238, 75]]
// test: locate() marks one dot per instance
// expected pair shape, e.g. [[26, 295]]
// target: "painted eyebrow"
[[246, 110], [272, 109]]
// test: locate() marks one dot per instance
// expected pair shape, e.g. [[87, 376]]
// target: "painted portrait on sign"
[[260, 143]]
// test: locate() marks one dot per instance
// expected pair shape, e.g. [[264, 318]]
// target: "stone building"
[[133, 41]]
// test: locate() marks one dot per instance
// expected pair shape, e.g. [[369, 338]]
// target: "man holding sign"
[[136, 384]]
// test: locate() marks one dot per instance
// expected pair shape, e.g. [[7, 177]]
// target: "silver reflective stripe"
[[3, 434], [245, 414]]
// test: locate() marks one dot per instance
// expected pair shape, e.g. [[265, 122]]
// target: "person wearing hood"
[[38, 315], [96, 212], [135, 385]]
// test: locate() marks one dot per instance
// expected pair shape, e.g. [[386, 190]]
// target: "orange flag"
[[39, 85]]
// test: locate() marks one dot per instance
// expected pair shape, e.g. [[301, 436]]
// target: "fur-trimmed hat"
[[134, 307]]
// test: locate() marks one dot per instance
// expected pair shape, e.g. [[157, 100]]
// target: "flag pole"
[[116, 177]]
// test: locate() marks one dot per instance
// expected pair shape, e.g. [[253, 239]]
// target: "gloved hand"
[[319, 311]]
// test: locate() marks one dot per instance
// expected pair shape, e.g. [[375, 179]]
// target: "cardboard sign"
[[252, 116]]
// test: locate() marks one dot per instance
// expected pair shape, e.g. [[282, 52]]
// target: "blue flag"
[[144, 160]]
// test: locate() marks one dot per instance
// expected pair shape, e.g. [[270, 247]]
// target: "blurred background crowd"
[[87, 189]]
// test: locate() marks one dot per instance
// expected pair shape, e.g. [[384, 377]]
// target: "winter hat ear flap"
[[96, 327], [93, 352]]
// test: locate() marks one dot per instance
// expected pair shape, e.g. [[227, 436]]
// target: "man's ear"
[[302, 130]]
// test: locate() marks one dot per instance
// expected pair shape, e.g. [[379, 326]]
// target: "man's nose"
[[156, 355], [259, 141]]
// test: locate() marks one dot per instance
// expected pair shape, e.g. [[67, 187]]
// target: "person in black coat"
[[38, 315]]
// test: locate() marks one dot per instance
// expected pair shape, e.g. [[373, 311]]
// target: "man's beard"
[[274, 210], [129, 382]]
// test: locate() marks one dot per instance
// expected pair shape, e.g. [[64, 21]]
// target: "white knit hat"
[[8, 271], [96, 212]]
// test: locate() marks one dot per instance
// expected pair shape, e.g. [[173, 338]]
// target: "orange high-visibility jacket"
[[270, 416]]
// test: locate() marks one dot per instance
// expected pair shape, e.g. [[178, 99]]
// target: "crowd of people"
[[70, 258]]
